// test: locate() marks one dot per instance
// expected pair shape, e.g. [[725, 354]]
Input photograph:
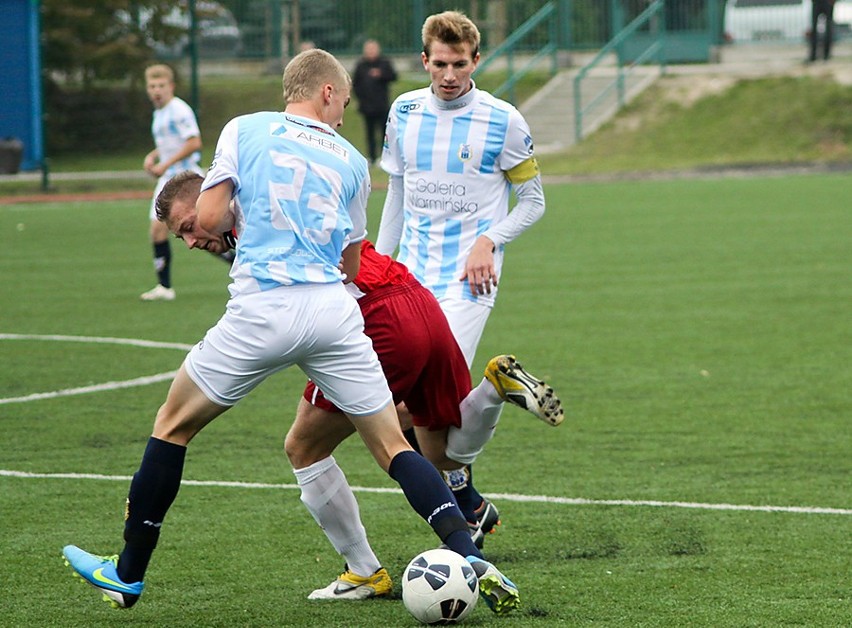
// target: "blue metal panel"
[[20, 75]]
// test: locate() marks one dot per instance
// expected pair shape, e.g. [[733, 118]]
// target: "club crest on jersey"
[[464, 152]]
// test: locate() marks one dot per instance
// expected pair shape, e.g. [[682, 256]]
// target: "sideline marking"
[[68, 392], [141, 381], [571, 501], [129, 383], [150, 344]]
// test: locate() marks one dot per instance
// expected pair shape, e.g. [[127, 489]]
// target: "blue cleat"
[[500, 594], [101, 573]]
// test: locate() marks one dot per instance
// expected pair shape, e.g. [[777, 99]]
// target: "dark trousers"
[[826, 8], [374, 125]]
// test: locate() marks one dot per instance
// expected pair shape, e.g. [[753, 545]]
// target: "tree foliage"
[[101, 39]]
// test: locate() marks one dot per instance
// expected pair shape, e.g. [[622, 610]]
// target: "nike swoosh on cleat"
[[100, 577]]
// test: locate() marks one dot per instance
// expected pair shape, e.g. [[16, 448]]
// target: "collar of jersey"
[[310, 123], [456, 103]]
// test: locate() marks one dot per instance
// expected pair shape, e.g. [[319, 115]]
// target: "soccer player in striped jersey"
[[454, 153]]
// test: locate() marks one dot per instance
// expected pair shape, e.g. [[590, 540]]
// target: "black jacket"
[[373, 91]]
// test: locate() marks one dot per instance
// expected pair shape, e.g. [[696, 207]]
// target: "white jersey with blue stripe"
[[172, 125], [301, 196], [452, 155]]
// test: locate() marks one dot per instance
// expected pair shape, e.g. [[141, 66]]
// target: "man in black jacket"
[[371, 82], [826, 8]]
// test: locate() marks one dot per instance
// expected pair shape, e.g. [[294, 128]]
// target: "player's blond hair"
[[159, 71], [453, 28], [308, 71]]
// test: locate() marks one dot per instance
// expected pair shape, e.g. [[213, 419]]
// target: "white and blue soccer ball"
[[439, 587]]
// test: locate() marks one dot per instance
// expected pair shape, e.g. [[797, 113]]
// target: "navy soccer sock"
[[468, 498], [163, 263], [152, 491], [432, 499], [412, 439]]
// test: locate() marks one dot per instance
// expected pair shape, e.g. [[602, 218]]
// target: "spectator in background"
[[177, 147], [371, 84], [826, 8]]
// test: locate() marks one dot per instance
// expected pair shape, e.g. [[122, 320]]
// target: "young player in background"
[[177, 147]]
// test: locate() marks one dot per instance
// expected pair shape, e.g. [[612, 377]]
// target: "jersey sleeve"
[[187, 124], [391, 155], [225, 159], [518, 150], [358, 212]]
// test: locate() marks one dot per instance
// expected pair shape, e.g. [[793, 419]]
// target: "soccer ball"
[[439, 587]]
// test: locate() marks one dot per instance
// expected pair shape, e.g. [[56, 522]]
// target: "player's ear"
[[425, 60]]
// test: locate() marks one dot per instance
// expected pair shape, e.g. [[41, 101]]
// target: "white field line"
[[68, 392], [130, 383], [141, 381], [150, 344], [544, 499]]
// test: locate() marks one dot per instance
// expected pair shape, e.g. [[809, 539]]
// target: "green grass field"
[[697, 331]]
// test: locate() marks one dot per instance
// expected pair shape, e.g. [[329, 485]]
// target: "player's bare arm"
[[214, 208], [350, 261], [150, 160], [193, 144]]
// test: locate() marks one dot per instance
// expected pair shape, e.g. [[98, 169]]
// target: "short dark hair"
[[182, 185]]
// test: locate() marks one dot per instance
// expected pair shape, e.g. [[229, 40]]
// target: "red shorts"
[[419, 355]]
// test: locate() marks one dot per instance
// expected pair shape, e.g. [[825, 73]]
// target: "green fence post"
[[617, 20], [193, 57], [419, 17], [564, 16], [275, 16]]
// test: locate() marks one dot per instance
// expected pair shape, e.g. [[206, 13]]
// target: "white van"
[[767, 20]]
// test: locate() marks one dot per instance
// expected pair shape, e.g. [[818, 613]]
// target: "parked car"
[[779, 20], [767, 20], [217, 31], [843, 19]]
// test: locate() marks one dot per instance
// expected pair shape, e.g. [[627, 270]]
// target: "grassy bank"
[[765, 121]]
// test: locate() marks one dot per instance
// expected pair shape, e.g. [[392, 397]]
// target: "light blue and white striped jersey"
[[453, 156], [301, 196], [171, 126]]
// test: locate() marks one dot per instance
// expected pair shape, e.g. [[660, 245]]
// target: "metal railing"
[[509, 50], [654, 18]]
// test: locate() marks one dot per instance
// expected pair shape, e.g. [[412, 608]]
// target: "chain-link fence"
[[265, 29]]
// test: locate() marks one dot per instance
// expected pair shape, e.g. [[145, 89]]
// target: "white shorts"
[[467, 321], [317, 327]]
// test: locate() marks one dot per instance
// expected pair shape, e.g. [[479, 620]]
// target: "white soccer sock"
[[329, 498], [480, 412]]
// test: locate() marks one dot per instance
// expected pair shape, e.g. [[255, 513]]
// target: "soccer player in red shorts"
[[426, 371]]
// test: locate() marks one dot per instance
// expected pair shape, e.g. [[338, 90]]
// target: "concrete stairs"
[[550, 111]]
